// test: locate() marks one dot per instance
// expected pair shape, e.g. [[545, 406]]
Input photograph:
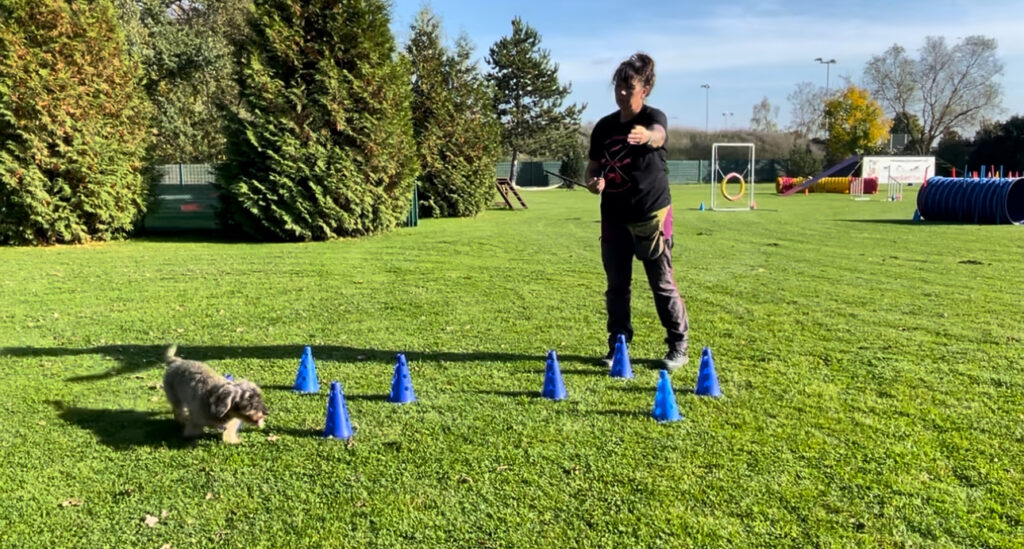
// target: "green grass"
[[871, 367]]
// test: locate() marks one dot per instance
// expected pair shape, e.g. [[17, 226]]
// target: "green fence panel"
[[183, 207], [684, 171]]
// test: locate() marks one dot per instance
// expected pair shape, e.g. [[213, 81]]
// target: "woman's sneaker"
[[674, 359]]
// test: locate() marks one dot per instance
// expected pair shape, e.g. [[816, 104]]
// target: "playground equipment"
[[859, 186], [983, 201], [721, 180], [506, 189], [856, 186], [827, 172]]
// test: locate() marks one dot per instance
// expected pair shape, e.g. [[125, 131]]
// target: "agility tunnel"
[[869, 185], [983, 201]]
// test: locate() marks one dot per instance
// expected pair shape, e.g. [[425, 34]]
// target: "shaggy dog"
[[200, 397]]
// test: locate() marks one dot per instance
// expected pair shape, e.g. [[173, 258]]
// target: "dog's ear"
[[224, 399]]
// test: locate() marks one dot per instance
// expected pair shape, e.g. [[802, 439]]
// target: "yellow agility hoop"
[[743, 187]]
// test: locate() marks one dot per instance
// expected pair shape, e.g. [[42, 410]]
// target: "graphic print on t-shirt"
[[615, 163]]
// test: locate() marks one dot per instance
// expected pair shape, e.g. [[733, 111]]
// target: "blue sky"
[[744, 50]]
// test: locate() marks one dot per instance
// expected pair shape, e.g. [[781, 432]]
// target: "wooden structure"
[[507, 190]]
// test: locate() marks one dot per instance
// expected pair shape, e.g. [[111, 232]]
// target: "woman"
[[627, 168]]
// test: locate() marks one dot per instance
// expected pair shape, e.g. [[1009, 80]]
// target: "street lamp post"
[[827, 64], [707, 96]]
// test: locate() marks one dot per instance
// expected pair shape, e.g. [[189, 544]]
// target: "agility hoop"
[[741, 168], [743, 187]]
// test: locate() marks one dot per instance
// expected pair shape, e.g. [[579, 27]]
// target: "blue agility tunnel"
[[987, 201]]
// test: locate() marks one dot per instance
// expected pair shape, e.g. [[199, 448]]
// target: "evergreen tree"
[[801, 161], [528, 97], [456, 131], [73, 124], [574, 164], [321, 144]]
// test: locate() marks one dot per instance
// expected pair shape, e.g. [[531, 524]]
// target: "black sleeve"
[[593, 153], [658, 117]]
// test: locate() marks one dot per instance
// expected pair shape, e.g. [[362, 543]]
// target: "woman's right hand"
[[595, 185]]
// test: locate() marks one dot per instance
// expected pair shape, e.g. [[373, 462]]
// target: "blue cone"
[[701, 207], [707, 379], [917, 215], [554, 387], [620, 360], [229, 377], [337, 424], [306, 380], [401, 383], [665, 408]]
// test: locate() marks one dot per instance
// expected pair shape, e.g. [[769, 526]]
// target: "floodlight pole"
[[828, 64], [827, 71], [707, 97]]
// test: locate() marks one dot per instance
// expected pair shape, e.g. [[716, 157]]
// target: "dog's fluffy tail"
[[171, 353]]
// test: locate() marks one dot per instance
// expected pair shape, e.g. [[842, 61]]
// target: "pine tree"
[[528, 97], [73, 125], [456, 131], [321, 144]]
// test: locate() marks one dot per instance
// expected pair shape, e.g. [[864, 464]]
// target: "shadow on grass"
[[297, 433], [371, 397], [511, 394], [577, 372], [134, 358], [124, 429], [635, 414], [635, 388], [905, 222], [191, 236]]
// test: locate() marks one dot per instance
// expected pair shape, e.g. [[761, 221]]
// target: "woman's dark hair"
[[639, 66]]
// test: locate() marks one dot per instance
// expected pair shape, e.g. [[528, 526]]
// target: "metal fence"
[[187, 199]]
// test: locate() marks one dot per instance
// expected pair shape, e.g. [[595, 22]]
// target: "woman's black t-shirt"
[[635, 176]]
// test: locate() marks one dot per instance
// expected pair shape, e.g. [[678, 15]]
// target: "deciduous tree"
[[764, 117], [947, 88], [856, 124], [186, 51], [807, 103]]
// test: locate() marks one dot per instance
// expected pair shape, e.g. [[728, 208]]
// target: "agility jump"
[[721, 180]]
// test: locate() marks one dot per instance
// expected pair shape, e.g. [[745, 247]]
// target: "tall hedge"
[[73, 125], [321, 143], [457, 133]]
